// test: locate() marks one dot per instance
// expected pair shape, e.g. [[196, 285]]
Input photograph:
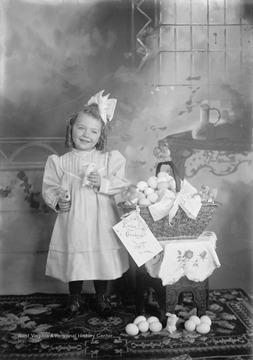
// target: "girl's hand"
[[94, 179], [64, 205]]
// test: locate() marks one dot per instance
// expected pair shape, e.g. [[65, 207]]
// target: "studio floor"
[[30, 329]]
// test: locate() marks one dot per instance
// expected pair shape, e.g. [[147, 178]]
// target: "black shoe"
[[74, 307], [103, 306]]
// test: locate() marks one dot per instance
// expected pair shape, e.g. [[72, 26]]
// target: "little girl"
[[80, 186]]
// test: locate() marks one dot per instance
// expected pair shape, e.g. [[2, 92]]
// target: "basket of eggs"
[[145, 194]]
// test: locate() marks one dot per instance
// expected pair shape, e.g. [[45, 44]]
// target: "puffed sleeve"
[[115, 180], [51, 184]]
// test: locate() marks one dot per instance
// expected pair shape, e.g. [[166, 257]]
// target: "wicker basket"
[[181, 225]]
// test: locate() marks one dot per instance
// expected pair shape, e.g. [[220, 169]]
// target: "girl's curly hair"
[[93, 111]]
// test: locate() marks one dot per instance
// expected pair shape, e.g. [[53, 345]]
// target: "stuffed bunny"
[[171, 322]]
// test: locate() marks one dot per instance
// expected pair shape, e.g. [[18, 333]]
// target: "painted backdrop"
[[55, 55]]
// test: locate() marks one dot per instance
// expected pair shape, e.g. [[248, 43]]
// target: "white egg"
[[172, 184], [144, 202], [152, 182], [139, 319], [155, 326], [152, 319], [152, 197], [189, 325], [195, 319], [142, 185], [203, 328], [163, 185], [143, 326], [161, 179], [141, 195], [206, 319], [132, 329], [148, 191], [163, 174]]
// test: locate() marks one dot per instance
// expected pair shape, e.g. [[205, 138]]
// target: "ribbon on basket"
[[136, 217], [187, 198]]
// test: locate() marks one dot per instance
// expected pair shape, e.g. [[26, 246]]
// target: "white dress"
[[83, 245]]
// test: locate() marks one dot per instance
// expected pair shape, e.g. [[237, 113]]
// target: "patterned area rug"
[[30, 329]]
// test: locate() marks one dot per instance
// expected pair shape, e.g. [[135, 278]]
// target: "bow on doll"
[[106, 106]]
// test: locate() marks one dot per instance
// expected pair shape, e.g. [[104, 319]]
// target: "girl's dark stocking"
[[100, 286], [75, 287]]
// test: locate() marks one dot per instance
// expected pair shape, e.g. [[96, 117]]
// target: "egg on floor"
[[195, 319], [189, 325], [132, 329], [155, 326], [152, 319], [143, 326], [139, 319], [203, 328], [206, 319]]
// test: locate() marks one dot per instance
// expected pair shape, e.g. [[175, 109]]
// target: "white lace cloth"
[[194, 258]]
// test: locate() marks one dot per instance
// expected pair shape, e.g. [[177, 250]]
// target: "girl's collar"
[[83, 152]]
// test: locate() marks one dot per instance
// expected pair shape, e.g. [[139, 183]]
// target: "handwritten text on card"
[[137, 238]]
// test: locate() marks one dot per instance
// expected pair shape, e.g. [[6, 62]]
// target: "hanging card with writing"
[[137, 238]]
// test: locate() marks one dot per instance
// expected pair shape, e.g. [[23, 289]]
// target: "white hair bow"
[[106, 106]]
